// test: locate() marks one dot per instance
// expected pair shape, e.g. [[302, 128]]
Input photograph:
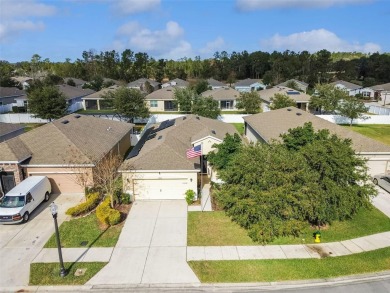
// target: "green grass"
[[291, 269], [215, 228], [239, 127], [380, 132], [48, 273], [75, 231], [31, 126]]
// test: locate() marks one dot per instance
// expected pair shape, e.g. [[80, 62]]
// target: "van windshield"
[[12, 201]]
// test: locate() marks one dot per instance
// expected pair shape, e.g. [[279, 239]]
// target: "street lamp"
[[54, 210]]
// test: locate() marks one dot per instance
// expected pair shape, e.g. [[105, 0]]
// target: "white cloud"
[[314, 41], [248, 5], [15, 17], [213, 46], [165, 43], [134, 6]]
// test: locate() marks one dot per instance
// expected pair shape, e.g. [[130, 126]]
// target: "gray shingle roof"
[[176, 82], [11, 92], [99, 95], [226, 93], [82, 140], [72, 92], [141, 81], [214, 82], [169, 152], [247, 82], [381, 87], [166, 94], [303, 84], [297, 96], [6, 128], [348, 85], [77, 81], [270, 125]]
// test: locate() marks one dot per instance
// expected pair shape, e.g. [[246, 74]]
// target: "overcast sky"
[[173, 29]]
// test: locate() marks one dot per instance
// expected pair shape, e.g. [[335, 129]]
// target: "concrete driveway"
[[151, 248], [20, 243]]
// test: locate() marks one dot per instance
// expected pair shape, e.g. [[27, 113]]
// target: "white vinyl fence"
[[21, 118], [370, 119], [378, 110]]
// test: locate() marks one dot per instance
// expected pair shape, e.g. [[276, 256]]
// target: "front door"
[[7, 181]]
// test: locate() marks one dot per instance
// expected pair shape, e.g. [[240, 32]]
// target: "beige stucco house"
[[60, 150], [158, 167], [226, 97], [268, 126], [162, 100], [302, 100]]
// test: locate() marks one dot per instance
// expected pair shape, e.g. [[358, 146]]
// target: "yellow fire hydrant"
[[317, 237]]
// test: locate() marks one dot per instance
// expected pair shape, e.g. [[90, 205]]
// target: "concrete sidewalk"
[[347, 247]]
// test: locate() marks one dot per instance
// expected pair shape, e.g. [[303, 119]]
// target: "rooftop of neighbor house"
[[166, 93], [348, 85], [72, 92], [80, 139], [141, 81], [11, 92], [225, 93], [247, 82], [293, 80], [164, 146], [177, 82], [381, 87], [99, 95], [6, 128], [270, 125], [213, 82], [297, 96]]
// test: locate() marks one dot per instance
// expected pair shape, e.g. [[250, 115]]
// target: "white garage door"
[[160, 188], [377, 167], [62, 183]]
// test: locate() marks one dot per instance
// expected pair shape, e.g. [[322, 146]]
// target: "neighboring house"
[[176, 82], [162, 100], [79, 82], [8, 95], [367, 93], [8, 131], [300, 98], [249, 85], [351, 88], [226, 97], [382, 92], [24, 81], [92, 101], [139, 84], [74, 144], [158, 168], [302, 86], [215, 84], [268, 126]]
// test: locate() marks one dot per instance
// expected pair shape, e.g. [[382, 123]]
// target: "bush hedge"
[[85, 207], [106, 214]]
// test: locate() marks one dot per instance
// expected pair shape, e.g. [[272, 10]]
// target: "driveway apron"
[[151, 248]]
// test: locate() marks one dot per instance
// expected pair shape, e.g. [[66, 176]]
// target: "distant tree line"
[[276, 67]]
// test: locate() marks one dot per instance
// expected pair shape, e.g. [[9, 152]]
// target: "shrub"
[[92, 201], [190, 196], [107, 215]]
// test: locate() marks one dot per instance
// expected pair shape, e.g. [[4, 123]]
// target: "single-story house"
[[300, 98], [9, 130], [78, 82], [351, 88], [162, 100], [24, 81], [302, 86], [226, 97], [139, 84], [8, 95], [249, 85], [92, 101], [268, 126], [382, 92], [215, 84], [176, 82], [62, 150], [158, 166]]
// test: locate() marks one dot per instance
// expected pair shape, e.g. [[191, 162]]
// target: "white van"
[[18, 203]]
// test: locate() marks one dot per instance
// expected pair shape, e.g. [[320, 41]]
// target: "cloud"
[[21, 16], [166, 43], [249, 5], [213, 46], [134, 6], [314, 41]]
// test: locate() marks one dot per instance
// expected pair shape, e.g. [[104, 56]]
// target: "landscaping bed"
[[216, 229]]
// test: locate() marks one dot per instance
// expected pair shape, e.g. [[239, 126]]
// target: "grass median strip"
[[216, 229], [49, 273], [291, 269]]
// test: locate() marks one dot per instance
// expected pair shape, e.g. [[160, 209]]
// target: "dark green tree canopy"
[[352, 108], [224, 152], [183, 98], [46, 102], [249, 102], [327, 98], [279, 101], [201, 86], [206, 107]]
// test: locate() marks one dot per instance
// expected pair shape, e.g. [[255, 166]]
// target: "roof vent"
[[160, 137], [77, 116], [185, 117], [288, 109], [65, 122], [213, 131], [299, 114], [197, 117]]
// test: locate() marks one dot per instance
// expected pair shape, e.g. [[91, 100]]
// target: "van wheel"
[[47, 196], [375, 181], [26, 216]]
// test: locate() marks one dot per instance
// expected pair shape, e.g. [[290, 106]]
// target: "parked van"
[[18, 203]]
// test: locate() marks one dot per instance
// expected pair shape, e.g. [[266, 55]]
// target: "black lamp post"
[[54, 209]]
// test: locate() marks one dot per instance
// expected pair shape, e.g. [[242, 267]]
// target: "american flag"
[[194, 152]]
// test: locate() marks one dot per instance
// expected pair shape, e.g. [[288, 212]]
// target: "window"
[[366, 94], [226, 104], [153, 104]]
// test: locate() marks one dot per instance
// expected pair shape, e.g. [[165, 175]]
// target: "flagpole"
[[201, 171]]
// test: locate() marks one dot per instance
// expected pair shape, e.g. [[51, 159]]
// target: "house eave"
[[58, 165], [159, 171]]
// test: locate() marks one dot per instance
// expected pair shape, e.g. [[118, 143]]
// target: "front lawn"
[[291, 269], [216, 229], [86, 232], [380, 132], [49, 273]]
